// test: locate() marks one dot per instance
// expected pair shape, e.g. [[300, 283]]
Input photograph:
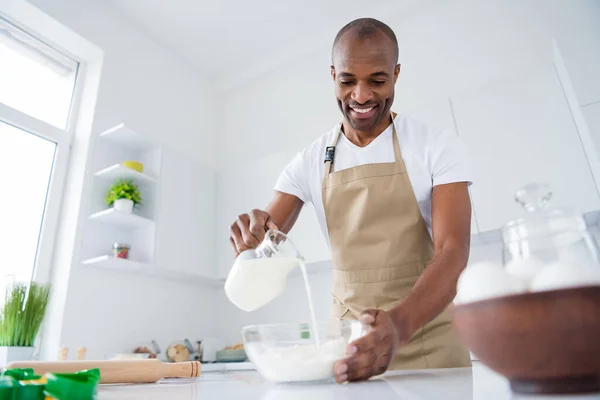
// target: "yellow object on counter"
[[136, 166], [42, 380]]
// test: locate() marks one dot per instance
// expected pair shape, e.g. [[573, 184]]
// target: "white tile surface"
[[478, 383], [227, 366]]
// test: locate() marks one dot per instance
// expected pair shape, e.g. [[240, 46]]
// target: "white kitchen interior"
[[215, 98]]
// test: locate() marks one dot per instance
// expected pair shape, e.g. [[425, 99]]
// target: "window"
[[25, 166], [37, 83], [34, 78]]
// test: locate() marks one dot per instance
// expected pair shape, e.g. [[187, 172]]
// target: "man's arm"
[[248, 230], [284, 210], [436, 287]]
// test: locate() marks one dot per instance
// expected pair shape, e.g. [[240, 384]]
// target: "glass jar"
[[121, 250], [545, 235]]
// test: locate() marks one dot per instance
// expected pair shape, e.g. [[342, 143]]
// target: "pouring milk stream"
[[259, 275]]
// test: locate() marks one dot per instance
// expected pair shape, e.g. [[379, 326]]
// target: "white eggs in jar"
[[565, 276], [486, 280], [525, 269]]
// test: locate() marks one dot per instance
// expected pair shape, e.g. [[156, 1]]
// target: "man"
[[392, 196]]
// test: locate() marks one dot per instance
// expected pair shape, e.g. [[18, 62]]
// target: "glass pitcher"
[[259, 275], [546, 236]]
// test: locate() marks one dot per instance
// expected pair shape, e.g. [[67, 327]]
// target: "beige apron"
[[380, 245]]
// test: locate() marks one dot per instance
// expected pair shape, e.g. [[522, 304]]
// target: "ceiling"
[[220, 36]]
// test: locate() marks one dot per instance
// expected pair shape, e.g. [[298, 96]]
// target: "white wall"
[[154, 92], [143, 84], [447, 49]]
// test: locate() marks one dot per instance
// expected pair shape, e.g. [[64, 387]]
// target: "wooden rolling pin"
[[118, 371]]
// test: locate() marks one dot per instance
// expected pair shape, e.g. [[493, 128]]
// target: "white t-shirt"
[[432, 157]]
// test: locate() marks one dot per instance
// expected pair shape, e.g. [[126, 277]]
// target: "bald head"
[[364, 29], [365, 69]]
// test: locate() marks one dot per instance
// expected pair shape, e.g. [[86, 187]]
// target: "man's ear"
[[396, 72], [332, 70]]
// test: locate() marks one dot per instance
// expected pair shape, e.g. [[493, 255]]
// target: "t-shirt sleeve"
[[294, 180], [449, 160]]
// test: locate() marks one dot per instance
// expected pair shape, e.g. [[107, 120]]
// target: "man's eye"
[[346, 83], [379, 82]]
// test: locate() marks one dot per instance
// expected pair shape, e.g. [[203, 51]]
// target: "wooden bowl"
[[544, 342]]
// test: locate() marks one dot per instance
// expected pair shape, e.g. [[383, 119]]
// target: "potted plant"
[[20, 320], [123, 195]]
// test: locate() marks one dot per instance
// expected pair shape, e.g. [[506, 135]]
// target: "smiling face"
[[364, 71]]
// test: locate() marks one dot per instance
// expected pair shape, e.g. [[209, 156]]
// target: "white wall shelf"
[[121, 219], [118, 171], [125, 265], [127, 137], [172, 234], [110, 262]]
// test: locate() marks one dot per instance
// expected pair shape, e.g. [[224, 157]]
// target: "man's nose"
[[362, 93]]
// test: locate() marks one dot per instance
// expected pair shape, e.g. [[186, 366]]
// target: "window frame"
[[61, 246], [42, 268]]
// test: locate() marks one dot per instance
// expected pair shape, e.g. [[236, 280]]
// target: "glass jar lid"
[[540, 218]]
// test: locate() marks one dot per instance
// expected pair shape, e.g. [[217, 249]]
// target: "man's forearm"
[[284, 210], [433, 291]]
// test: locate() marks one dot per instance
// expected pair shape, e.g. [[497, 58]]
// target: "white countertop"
[[477, 383]]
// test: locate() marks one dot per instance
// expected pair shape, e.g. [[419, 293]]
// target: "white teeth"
[[362, 110]]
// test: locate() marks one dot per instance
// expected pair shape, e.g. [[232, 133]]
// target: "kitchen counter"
[[477, 383]]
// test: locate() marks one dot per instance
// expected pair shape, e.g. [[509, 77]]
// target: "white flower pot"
[[123, 205], [9, 354]]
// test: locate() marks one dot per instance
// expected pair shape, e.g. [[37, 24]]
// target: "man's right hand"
[[249, 229]]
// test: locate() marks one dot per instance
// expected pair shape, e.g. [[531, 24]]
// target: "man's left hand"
[[371, 354]]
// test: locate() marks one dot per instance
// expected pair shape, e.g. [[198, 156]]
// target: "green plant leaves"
[[23, 313], [123, 189]]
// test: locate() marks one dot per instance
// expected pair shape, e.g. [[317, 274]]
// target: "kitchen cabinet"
[[591, 114], [519, 130], [582, 64], [186, 219]]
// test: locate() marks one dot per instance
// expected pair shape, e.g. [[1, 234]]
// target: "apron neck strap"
[[329, 163], [397, 156]]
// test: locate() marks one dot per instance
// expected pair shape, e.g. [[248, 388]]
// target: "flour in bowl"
[[302, 362]]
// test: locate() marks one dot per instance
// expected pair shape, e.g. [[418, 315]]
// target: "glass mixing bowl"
[[288, 352]]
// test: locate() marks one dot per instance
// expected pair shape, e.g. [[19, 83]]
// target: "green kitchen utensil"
[[18, 373], [8, 390], [73, 386]]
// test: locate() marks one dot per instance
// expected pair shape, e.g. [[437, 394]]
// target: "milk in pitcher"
[[254, 282]]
